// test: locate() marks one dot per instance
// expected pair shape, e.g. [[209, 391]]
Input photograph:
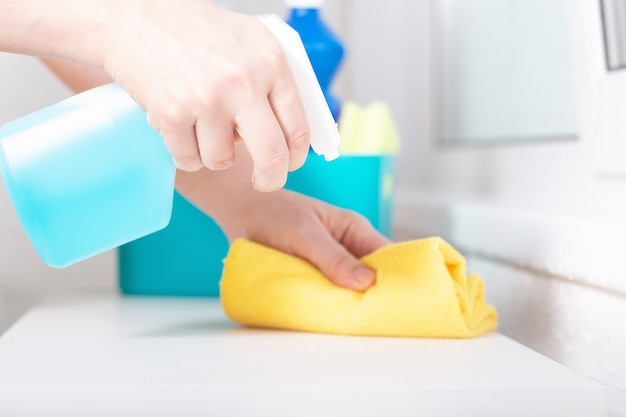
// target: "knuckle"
[[232, 79], [168, 116], [217, 154], [276, 158], [357, 219], [189, 163], [211, 101], [351, 220], [275, 56], [217, 165], [302, 228], [175, 107], [299, 139], [269, 52]]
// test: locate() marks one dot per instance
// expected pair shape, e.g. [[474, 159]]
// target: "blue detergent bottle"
[[324, 49]]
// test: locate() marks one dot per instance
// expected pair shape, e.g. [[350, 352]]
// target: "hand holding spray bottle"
[[89, 173]]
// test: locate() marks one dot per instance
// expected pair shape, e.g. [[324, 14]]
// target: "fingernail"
[[364, 277], [261, 184]]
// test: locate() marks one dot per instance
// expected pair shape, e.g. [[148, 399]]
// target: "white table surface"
[[108, 355]]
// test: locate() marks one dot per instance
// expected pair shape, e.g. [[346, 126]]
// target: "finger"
[[336, 262], [182, 143], [287, 106], [263, 137], [216, 142], [359, 237]]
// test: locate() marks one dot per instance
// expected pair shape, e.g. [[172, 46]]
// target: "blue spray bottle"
[[323, 48], [88, 174]]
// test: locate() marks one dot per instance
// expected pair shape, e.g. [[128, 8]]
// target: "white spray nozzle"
[[324, 133], [304, 4]]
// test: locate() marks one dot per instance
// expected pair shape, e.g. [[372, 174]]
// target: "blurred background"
[[513, 124]]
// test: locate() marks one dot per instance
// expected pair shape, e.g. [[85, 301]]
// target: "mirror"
[[503, 71]]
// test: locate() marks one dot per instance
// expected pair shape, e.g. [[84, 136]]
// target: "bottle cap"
[[304, 4]]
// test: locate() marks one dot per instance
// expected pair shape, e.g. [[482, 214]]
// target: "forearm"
[[76, 30], [76, 76]]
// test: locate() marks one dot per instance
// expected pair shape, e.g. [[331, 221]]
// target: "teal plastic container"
[[86, 175], [363, 183], [185, 258]]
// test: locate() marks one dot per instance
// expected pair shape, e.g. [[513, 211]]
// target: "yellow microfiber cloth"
[[421, 291]]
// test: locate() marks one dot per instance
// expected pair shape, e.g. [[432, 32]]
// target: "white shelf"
[[109, 355]]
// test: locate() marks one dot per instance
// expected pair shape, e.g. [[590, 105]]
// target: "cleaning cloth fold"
[[421, 291]]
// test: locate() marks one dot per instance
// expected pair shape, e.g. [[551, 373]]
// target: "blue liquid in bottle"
[[324, 49], [86, 175]]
